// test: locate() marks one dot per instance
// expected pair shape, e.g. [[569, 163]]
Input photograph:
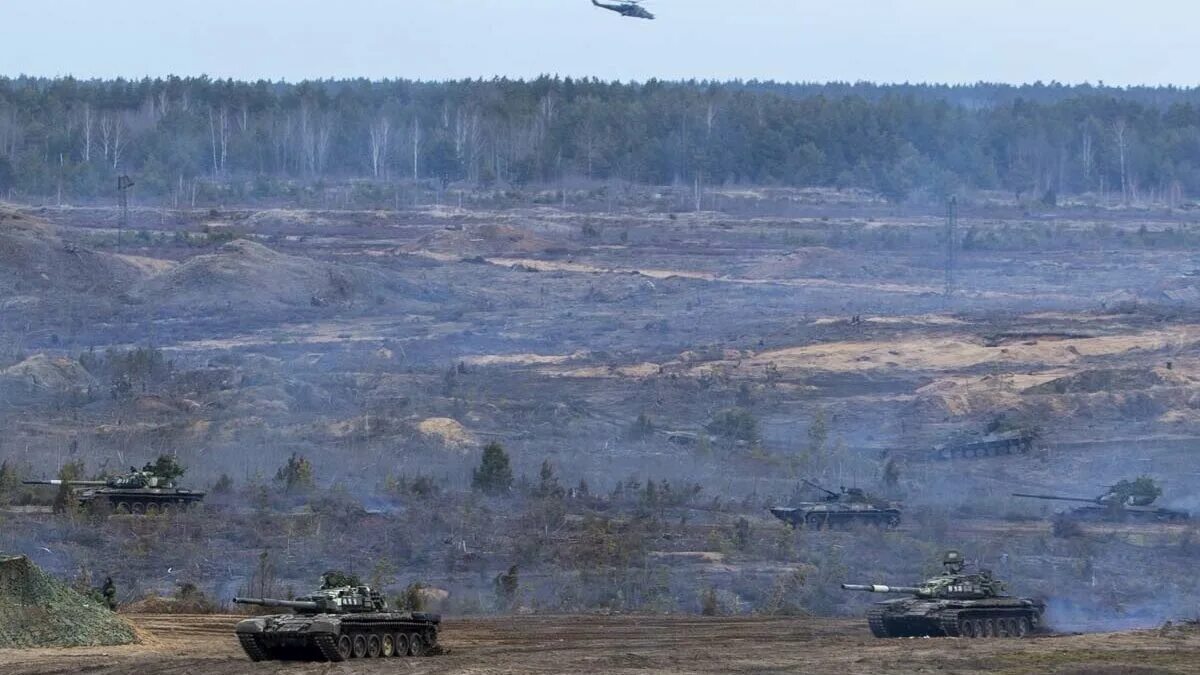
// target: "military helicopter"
[[630, 8]]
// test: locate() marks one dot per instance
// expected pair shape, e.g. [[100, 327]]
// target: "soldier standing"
[[109, 591]]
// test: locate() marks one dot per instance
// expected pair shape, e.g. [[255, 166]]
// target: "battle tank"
[[137, 492], [952, 604], [851, 506], [336, 623], [992, 444], [1128, 500]]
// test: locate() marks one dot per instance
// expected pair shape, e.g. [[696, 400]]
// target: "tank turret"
[[344, 600], [954, 604], [335, 623]]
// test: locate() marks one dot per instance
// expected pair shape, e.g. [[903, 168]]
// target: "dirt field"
[[204, 644]]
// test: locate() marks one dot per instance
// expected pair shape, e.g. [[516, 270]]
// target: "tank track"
[[327, 645], [840, 521], [252, 648], [952, 622], [877, 624]]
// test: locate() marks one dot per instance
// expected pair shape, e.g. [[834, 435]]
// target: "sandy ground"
[[575, 644]]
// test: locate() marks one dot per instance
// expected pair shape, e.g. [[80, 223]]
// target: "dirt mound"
[[1109, 380], [36, 610], [47, 375], [1126, 393], [244, 276], [34, 259], [448, 432], [799, 263], [484, 240], [287, 219]]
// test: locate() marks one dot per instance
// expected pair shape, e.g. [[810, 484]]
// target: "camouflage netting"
[[37, 610]]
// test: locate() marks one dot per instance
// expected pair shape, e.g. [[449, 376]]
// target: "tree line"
[[72, 138]]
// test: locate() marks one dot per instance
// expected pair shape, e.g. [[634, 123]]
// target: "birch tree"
[[218, 127], [1120, 131], [380, 135]]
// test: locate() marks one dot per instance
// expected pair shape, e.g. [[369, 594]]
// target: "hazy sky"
[[1146, 41]]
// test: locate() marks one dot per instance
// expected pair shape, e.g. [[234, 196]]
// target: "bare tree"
[[10, 132], [416, 146], [468, 141], [380, 135], [1121, 136], [218, 127], [1087, 154], [87, 132], [112, 137], [315, 133]]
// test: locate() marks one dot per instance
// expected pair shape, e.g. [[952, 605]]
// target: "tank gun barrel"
[[270, 602], [63, 482], [880, 588], [1055, 497], [809, 483]]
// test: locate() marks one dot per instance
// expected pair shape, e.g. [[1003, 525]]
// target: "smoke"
[[1094, 615]]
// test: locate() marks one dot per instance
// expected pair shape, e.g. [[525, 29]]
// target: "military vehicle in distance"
[[952, 604], [850, 507], [630, 8], [992, 444], [136, 492], [336, 623], [1128, 500]]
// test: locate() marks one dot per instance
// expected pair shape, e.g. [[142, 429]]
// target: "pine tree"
[[494, 475], [168, 469], [296, 475]]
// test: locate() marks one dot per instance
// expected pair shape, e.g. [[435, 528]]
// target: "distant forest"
[[177, 137]]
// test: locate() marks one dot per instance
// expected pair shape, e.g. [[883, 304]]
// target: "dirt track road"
[[203, 645]]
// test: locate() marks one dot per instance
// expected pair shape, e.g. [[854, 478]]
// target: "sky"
[[962, 41]]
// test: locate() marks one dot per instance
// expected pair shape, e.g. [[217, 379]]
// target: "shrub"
[[642, 427], [741, 534], [223, 486], [1065, 527], [65, 500], [506, 585], [734, 424]]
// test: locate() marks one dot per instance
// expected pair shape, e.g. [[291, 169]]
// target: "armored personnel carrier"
[[336, 623], [1128, 500], [137, 492], [952, 604], [849, 507], [991, 444]]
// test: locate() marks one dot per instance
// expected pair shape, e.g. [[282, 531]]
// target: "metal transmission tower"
[[951, 228], [123, 184]]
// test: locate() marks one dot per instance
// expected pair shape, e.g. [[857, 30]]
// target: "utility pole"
[[123, 184], [951, 227]]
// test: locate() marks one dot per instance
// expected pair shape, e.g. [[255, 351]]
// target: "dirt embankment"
[[200, 645], [36, 263], [246, 277]]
